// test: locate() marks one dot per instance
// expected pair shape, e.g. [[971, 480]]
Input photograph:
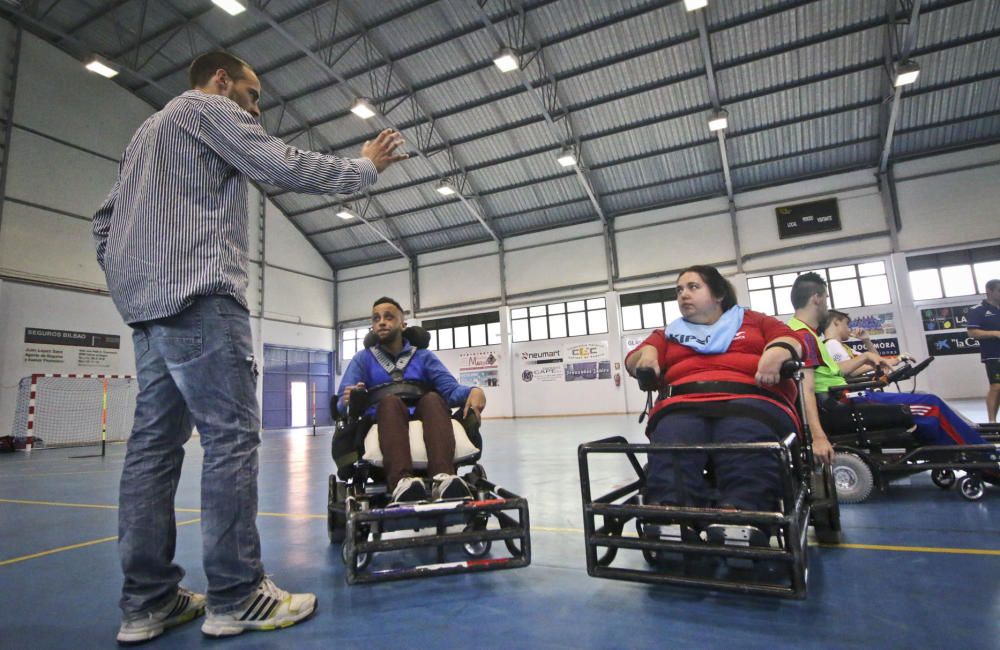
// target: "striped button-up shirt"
[[175, 223]]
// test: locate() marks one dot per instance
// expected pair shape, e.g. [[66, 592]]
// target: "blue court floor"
[[918, 567]]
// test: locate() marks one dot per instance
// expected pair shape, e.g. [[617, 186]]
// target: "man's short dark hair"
[[386, 300], [206, 65], [717, 285], [805, 287], [992, 284]]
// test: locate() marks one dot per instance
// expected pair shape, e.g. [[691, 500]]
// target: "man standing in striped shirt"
[[172, 240]]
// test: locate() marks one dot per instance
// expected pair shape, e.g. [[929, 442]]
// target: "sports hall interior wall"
[[69, 130]]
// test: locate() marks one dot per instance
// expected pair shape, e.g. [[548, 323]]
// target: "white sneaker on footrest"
[[449, 486], [268, 608]]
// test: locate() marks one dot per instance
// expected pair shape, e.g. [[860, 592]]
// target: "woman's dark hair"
[[718, 285], [204, 67]]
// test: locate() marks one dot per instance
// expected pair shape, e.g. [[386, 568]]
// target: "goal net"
[[69, 410]]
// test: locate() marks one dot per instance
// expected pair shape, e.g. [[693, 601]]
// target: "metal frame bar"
[[713, 94], [498, 502], [8, 117], [621, 505]]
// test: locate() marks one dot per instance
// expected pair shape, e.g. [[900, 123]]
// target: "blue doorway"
[[297, 384]]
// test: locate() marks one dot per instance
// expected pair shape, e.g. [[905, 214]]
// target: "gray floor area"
[[917, 567]]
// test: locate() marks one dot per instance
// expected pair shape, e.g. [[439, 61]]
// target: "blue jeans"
[[744, 480], [194, 368]]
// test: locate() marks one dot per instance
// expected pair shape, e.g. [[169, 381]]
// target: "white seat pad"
[[464, 449]]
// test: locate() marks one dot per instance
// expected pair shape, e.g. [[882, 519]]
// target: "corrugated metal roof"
[[803, 81]]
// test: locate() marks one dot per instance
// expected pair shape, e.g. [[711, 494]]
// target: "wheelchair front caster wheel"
[[943, 478], [972, 488], [361, 560], [477, 548]]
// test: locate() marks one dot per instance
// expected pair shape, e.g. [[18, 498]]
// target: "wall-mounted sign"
[[479, 368], [807, 218], [947, 343], [945, 318], [46, 349], [875, 324], [887, 347]]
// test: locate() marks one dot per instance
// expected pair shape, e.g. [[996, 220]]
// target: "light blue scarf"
[[707, 339]]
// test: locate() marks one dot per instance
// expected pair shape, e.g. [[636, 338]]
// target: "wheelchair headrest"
[[416, 335]]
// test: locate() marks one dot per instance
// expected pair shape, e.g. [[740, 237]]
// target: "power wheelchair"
[[673, 540], [361, 517], [874, 450]]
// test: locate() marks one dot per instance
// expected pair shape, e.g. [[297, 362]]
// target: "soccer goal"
[[64, 410]]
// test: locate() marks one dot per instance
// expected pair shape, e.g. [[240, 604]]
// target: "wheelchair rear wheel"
[[853, 478]]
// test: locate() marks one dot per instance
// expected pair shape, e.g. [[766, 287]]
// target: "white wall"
[[466, 274]]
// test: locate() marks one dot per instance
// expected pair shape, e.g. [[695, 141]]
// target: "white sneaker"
[[449, 486], [185, 606], [268, 608], [410, 489]]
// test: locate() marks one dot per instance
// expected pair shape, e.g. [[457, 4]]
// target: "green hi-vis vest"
[[828, 374]]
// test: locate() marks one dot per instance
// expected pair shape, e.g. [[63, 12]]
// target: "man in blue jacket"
[[395, 359]]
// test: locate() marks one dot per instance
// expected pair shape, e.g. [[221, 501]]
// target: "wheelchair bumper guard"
[[618, 507], [365, 526]]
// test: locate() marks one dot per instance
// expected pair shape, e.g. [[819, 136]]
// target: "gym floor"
[[917, 567]]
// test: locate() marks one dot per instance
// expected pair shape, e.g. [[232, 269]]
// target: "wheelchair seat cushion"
[[464, 449]]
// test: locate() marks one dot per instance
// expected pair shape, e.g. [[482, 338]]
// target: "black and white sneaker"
[[449, 486], [410, 489], [268, 608], [183, 607]]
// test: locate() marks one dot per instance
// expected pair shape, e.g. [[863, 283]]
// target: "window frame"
[[785, 279], [451, 324], [565, 312], [653, 299]]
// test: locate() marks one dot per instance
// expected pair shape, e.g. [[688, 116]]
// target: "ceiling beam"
[[905, 48], [350, 93]]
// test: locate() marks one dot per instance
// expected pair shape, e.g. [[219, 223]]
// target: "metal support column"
[[8, 115]]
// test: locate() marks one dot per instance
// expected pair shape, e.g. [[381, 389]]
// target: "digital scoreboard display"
[[807, 218]]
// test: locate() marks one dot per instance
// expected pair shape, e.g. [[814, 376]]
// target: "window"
[[850, 285], [459, 332], [954, 273], [559, 320], [352, 340], [648, 309]]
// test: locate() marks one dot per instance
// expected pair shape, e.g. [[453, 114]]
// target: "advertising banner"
[[944, 318], [479, 368], [541, 365], [51, 349], [949, 343]]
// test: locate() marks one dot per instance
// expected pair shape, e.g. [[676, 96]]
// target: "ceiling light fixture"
[[694, 5], [906, 73], [231, 7], [718, 120], [506, 59], [363, 108], [445, 188], [345, 214], [101, 69], [566, 157]]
